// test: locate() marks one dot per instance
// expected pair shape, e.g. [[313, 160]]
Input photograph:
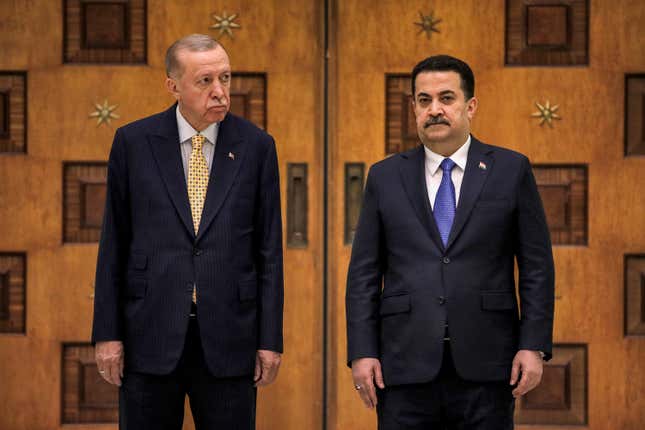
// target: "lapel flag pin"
[[231, 156], [482, 165]]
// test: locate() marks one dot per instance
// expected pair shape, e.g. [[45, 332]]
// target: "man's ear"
[[171, 86], [472, 107]]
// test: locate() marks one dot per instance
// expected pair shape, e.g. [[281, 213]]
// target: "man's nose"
[[435, 108], [217, 90]]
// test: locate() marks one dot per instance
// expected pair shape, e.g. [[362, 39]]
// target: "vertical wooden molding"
[[297, 212]]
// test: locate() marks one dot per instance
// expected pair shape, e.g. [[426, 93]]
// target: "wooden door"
[[577, 55], [58, 61]]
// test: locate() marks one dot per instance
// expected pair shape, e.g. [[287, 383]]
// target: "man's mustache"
[[434, 121]]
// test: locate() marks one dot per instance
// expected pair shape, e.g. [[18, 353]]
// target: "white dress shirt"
[[434, 173], [186, 133]]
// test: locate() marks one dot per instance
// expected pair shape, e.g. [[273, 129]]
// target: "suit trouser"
[[156, 402], [446, 403]]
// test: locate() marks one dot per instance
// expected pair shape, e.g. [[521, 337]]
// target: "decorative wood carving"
[[12, 292], [100, 31], [84, 187], [635, 295], [561, 398], [248, 97], [13, 112], [401, 127], [354, 180], [547, 32], [297, 196], [635, 114], [87, 398], [563, 190]]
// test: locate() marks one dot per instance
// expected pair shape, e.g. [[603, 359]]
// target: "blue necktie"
[[444, 203]]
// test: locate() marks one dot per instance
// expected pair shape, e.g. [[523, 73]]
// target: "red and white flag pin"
[[482, 165], [231, 156]]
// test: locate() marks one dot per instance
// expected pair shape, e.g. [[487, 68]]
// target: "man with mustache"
[[435, 336], [189, 284]]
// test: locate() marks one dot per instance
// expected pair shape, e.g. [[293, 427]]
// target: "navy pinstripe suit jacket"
[[149, 257]]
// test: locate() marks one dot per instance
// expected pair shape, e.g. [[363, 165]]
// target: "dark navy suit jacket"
[[404, 286], [149, 257]]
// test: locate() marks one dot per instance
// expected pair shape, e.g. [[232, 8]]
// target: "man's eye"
[[204, 81], [225, 78]]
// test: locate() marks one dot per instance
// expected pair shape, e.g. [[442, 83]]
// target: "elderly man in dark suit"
[[189, 283], [435, 336]]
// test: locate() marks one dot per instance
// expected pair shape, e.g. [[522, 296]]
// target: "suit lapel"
[[478, 167], [227, 160], [412, 171], [167, 153]]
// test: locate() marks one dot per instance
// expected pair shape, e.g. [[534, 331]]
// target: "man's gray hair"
[[192, 43]]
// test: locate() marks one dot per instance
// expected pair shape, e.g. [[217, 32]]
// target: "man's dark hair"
[[444, 63]]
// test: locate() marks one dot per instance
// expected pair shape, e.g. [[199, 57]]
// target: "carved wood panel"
[[84, 187], [86, 397], [400, 122], [561, 398], [248, 97], [635, 295], [547, 32], [98, 31], [13, 112], [563, 190], [635, 114], [12, 292]]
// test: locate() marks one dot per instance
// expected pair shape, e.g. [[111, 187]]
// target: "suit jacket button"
[[442, 300], [197, 252], [446, 260]]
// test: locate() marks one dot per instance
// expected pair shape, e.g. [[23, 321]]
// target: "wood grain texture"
[[373, 40], [547, 32], [13, 112], [561, 398], [13, 291], [84, 190], [281, 41], [105, 32]]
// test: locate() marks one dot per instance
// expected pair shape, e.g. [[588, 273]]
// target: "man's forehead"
[[438, 81], [204, 58]]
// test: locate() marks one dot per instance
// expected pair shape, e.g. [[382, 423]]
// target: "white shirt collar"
[[186, 131], [460, 157]]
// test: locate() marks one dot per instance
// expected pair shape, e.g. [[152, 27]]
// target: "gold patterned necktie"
[[197, 179], [197, 184]]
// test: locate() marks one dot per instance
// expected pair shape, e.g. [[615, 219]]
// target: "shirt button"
[[446, 260]]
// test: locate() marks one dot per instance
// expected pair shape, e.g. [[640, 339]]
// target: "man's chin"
[[216, 115]]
